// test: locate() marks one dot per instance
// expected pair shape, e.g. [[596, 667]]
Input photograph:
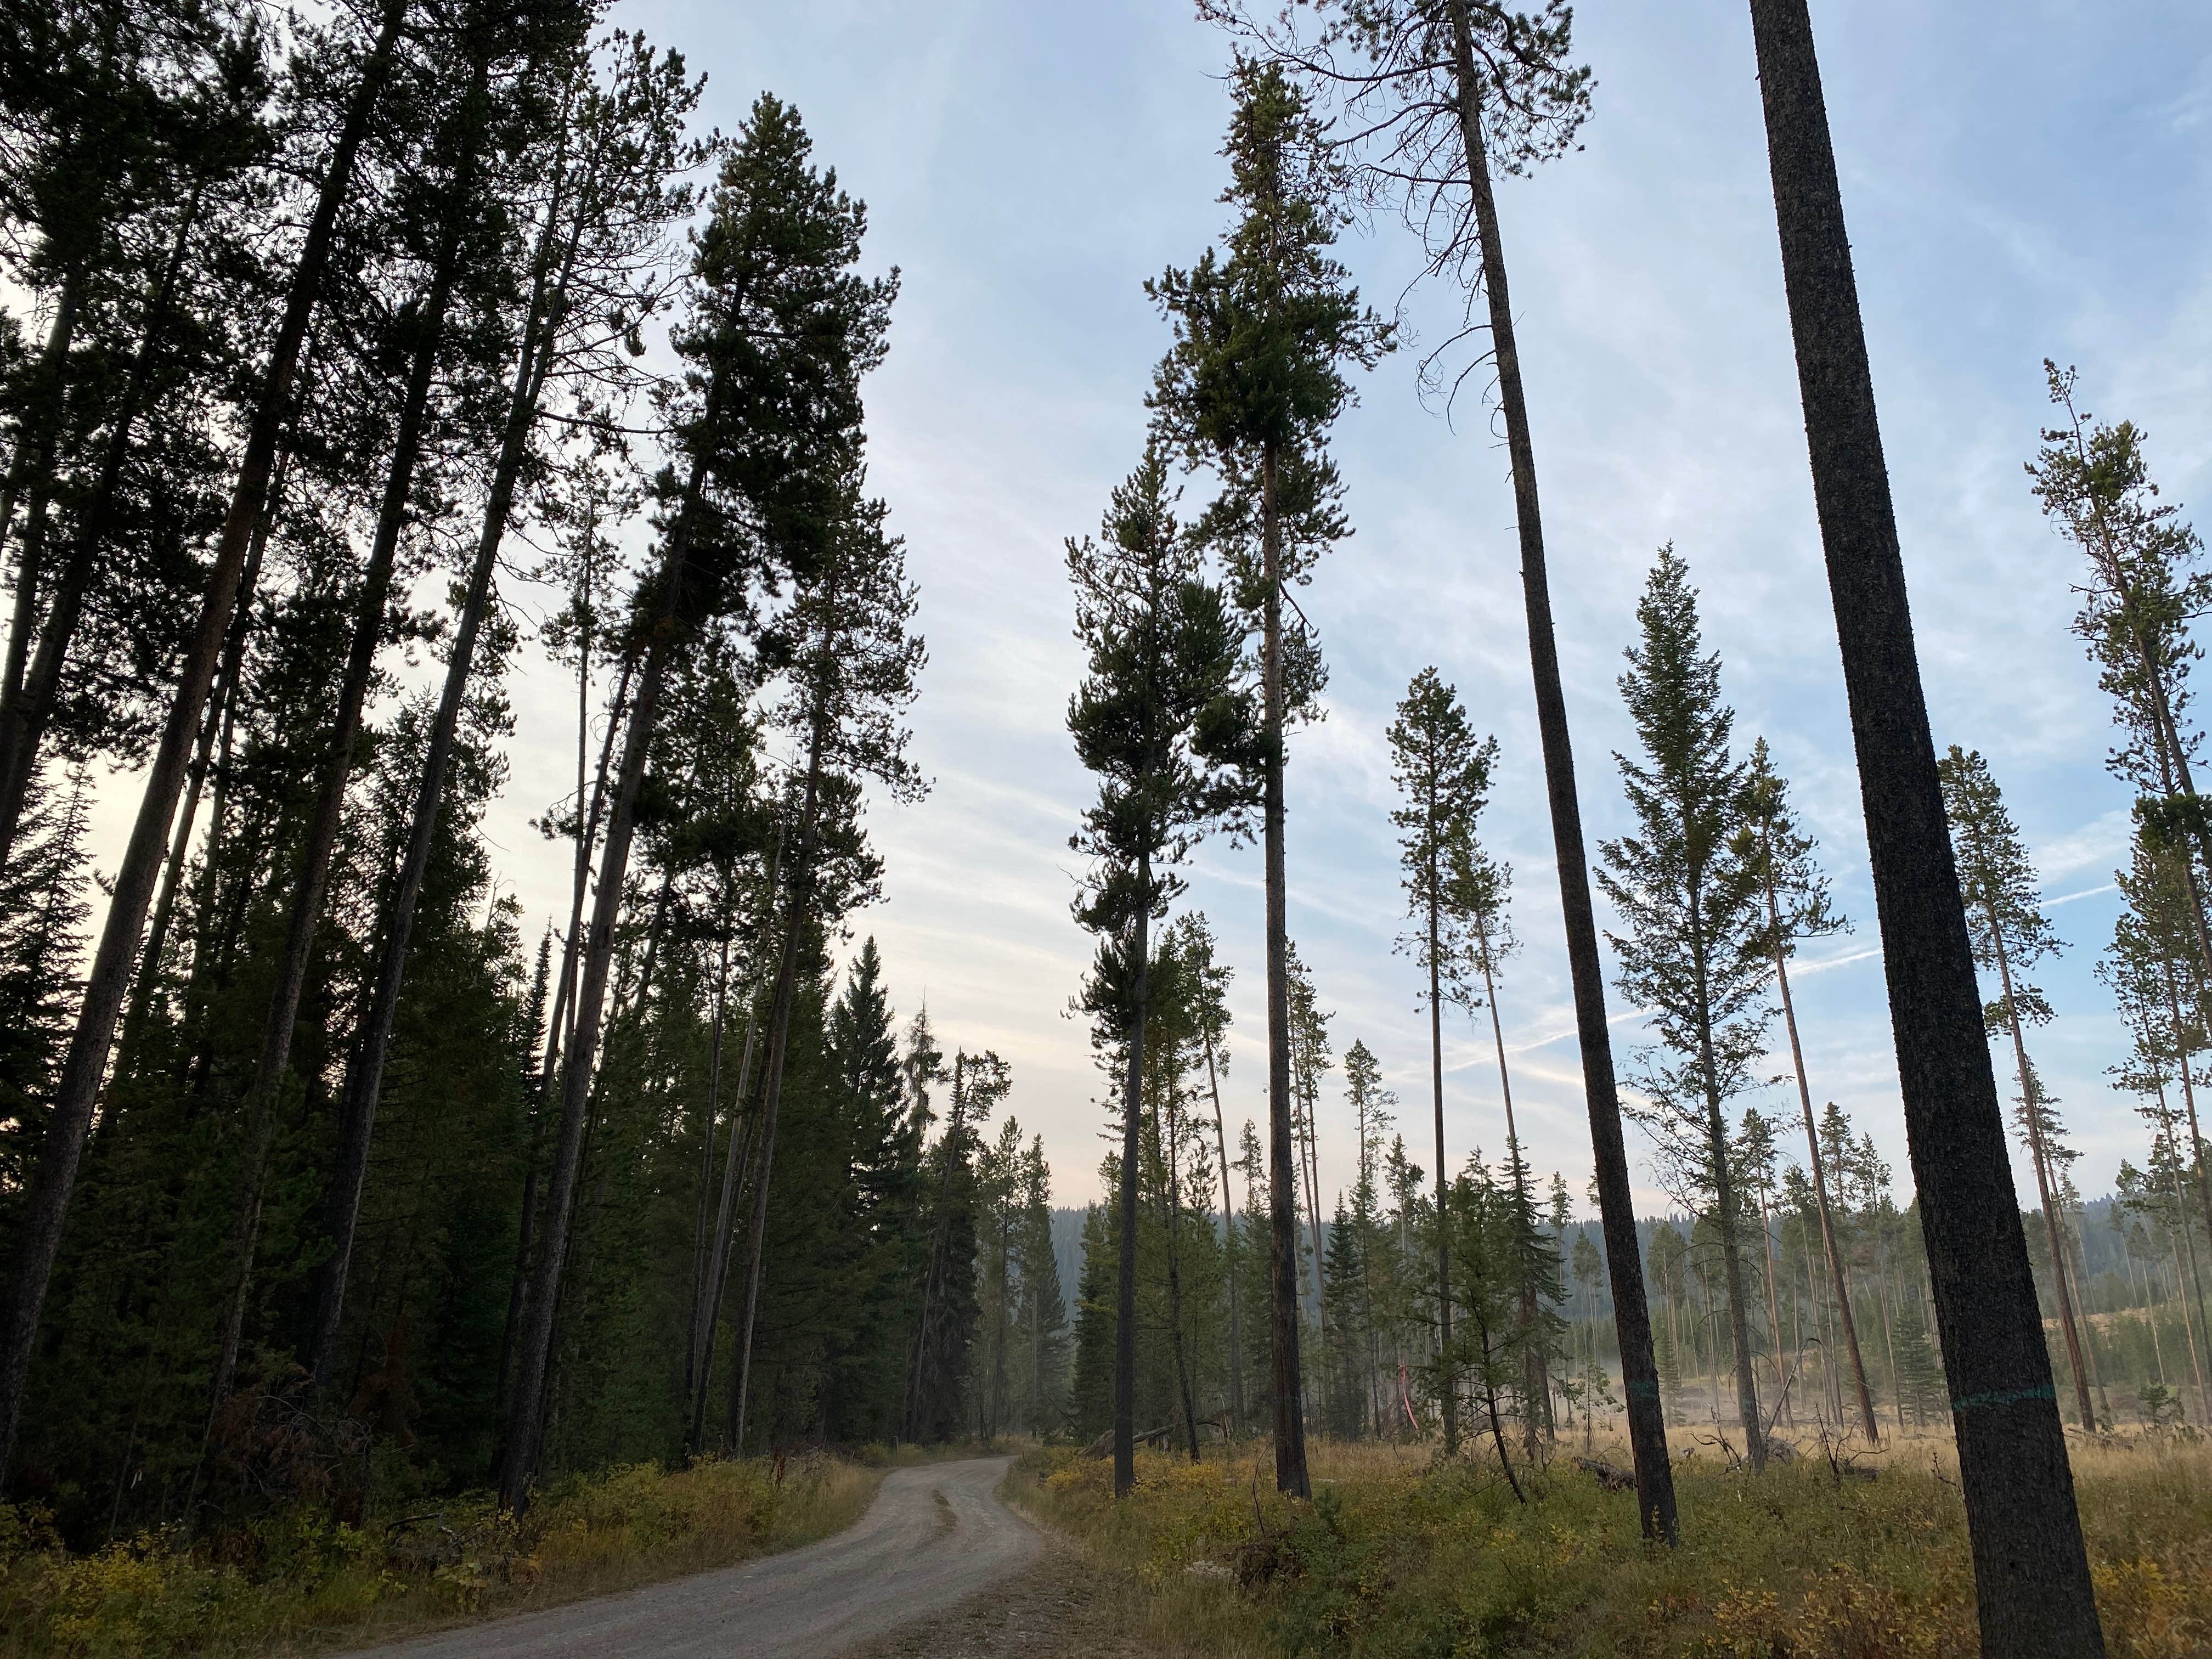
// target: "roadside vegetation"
[[299, 1580], [1857, 1556]]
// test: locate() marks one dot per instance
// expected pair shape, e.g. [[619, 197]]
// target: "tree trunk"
[[365, 1076], [31, 697], [78, 1085], [1820, 1175], [796, 912], [223, 698], [1774, 1308], [1535, 1373], [735, 1158], [305, 910], [1124, 1207], [32, 463], [694, 1375], [1447, 1375], [1174, 1284], [1647, 1428], [2031, 1568], [1728, 1216], [1228, 1246], [519, 1459], [1282, 1180]]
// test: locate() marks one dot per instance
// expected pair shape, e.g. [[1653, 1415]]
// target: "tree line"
[[345, 340]]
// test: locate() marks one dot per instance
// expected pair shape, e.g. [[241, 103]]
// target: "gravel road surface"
[[934, 1536]]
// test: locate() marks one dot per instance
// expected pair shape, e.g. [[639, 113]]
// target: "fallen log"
[[1103, 1447], [1611, 1476]]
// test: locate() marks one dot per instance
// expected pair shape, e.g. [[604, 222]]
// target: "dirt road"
[[934, 1536]]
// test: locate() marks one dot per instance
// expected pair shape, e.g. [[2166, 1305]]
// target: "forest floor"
[[1860, 1555], [296, 1581]]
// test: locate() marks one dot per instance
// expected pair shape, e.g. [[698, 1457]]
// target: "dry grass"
[[300, 1581], [1399, 1555]]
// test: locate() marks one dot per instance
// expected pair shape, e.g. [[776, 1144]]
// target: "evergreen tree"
[[1689, 887], [1442, 771], [1155, 713], [2010, 934], [1251, 386]]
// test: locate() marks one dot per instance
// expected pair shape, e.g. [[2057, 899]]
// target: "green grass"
[[298, 1581], [1401, 1555]]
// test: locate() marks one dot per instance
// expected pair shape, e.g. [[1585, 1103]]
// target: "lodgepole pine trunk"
[[700, 1242], [365, 1075], [222, 697], [736, 1157], [304, 912], [1535, 1373], [1647, 1428], [38, 1235], [1228, 1246], [1728, 1216], [32, 695], [2031, 1568], [31, 464], [1124, 1207], [786, 986], [1447, 1378], [1291, 1474]]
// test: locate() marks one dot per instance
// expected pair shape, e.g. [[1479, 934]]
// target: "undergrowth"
[[297, 1579], [1400, 1554]]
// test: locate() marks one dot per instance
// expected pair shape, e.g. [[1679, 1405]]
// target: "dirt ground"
[[1063, 1605]]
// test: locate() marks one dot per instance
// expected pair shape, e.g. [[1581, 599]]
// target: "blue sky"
[[2021, 180]]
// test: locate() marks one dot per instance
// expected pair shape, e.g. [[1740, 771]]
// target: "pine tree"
[[2010, 934], [1690, 888], [1157, 711], [1251, 386], [2031, 1567], [1442, 771], [54, 1180]]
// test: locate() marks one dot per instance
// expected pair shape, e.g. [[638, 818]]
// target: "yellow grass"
[[302, 1582], [1401, 1555]]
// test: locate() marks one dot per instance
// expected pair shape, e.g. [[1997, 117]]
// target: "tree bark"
[[735, 1158], [39, 1240], [32, 463], [796, 912], [2031, 1568], [1535, 1373], [1447, 1374], [304, 913], [1647, 1427], [364, 1086], [31, 697], [1228, 1246], [1727, 1216], [1133, 1106], [1291, 1474]]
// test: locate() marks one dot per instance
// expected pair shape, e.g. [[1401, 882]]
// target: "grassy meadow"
[[1400, 1554]]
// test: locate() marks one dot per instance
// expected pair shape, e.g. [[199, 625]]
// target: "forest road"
[[934, 1536]]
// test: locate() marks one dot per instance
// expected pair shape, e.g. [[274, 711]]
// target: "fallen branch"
[[1611, 1476]]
